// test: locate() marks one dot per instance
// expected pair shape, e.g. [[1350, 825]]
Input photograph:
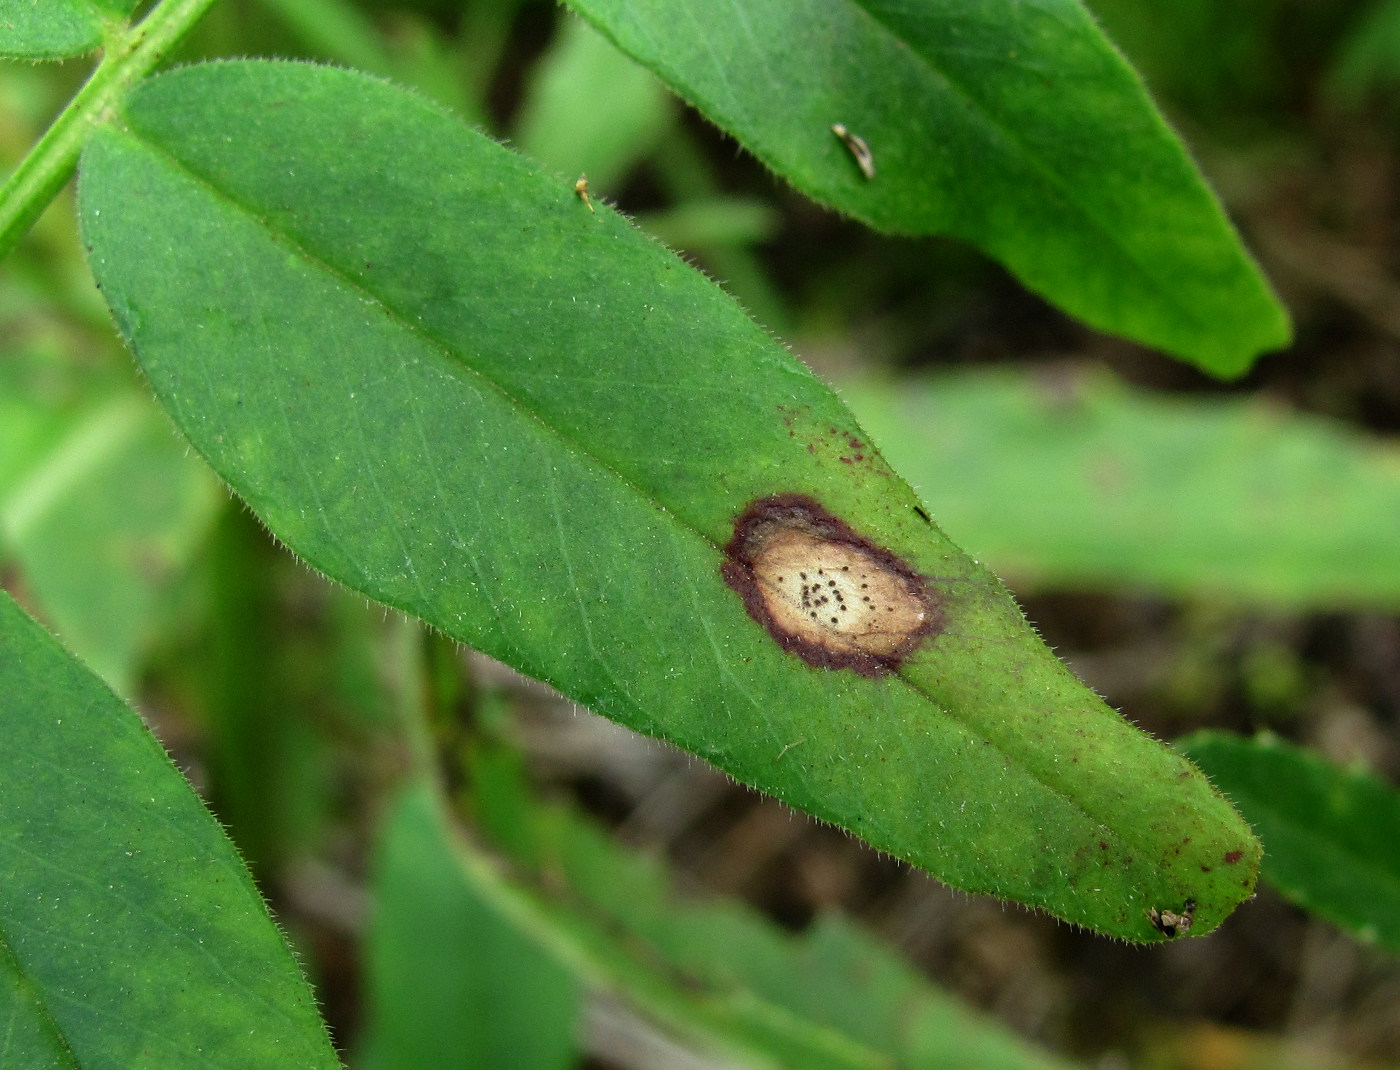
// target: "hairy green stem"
[[127, 58]]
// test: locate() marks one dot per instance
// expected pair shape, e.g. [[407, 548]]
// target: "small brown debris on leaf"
[[1171, 924], [581, 188]]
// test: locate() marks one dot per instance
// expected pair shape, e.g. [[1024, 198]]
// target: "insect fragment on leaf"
[[581, 188], [865, 159], [1171, 924]]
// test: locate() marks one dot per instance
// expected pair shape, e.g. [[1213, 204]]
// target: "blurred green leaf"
[[55, 29], [1331, 836], [455, 981], [104, 525], [442, 380], [591, 109], [336, 30], [719, 221], [834, 997], [130, 932], [30, 424], [1220, 62], [691, 184], [288, 677], [411, 50], [1018, 128], [1368, 59], [1061, 477]]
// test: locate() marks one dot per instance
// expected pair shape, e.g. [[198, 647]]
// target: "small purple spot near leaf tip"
[[789, 555]]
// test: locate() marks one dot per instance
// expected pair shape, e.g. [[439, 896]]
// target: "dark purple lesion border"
[[763, 517]]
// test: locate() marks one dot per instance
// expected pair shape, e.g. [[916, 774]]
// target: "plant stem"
[[127, 58]]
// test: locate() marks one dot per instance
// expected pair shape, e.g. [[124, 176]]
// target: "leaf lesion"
[[826, 593]]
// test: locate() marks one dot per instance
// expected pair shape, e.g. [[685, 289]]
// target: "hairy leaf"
[[55, 29], [443, 380], [1016, 127], [130, 933]]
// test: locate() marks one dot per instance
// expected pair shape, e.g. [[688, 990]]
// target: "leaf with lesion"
[[440, 379]]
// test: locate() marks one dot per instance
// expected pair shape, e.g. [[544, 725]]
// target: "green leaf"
[[336, 30], [834, 997], [454, 982], [718, 222], [1368, 60], [32, 419], [1063, 478], [1015, 127], [1331, 836], [31, 1037], [130, 932], [104, 525], [55, 29], [442, 380]]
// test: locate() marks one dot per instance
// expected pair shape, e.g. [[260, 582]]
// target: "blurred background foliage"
[[1202, 553]]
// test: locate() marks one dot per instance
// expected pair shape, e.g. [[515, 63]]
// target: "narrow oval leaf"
[[56, 29], [442, 379], [130, 933], [834, 997], [1062, 477], [1016, 127], [1331, 836]]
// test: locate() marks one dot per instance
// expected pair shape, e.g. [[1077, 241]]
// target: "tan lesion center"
[[837, 595]]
